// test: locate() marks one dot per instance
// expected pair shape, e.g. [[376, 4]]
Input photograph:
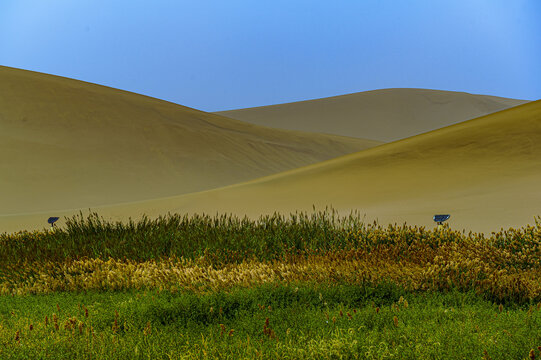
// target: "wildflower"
[[532, 354], [17, 338], [231, 332], [377, 310], [148, 329], [395, 320], [55, 321]]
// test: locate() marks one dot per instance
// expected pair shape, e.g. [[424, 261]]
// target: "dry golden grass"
[[483, 265]]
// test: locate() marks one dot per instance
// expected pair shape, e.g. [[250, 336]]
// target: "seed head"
[[148, 329], [222, 327]]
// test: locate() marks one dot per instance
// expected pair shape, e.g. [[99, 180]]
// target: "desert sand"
[[70, 144], [385, 115], [485, 172]]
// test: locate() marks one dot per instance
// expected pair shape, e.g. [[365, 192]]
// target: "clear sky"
[[224, 54]]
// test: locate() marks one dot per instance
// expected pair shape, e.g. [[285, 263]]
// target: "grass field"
[[306, 286]]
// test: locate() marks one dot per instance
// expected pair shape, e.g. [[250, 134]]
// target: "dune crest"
[[70, 144], [385, 115]]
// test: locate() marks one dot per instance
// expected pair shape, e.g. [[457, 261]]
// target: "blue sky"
[[216, 55]]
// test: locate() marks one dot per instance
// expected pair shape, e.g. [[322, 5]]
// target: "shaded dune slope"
[[70, 144], [484, 172], [386, 115]]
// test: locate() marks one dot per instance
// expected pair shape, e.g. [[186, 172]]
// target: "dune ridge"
[[70, 144], [385, 115]]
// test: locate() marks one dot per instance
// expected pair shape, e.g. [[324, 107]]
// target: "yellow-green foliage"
[[444, 260], [202, 253]]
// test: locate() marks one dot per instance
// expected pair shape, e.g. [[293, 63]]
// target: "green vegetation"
[[307, 286], [285, 321]]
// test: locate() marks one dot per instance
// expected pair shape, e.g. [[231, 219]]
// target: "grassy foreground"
[[269, 321], [315, 286]]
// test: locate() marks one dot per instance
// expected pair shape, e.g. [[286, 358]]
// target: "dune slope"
[[484, 172], [386, 115], [69, 144]]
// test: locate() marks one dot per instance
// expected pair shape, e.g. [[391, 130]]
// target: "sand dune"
[[70, 144], [484, 172], [66, 144], [386, 115]]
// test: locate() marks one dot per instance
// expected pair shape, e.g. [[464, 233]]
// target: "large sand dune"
[[484, 172], [386, 115], [70, 144]]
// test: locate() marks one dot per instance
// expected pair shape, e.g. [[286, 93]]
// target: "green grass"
[[434, 325], [305, 319], [227, 238]]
